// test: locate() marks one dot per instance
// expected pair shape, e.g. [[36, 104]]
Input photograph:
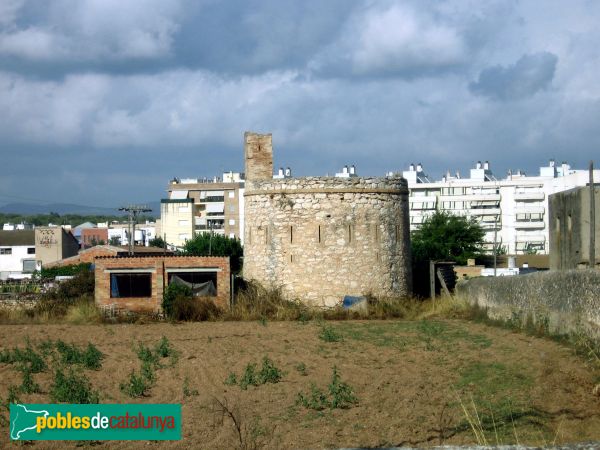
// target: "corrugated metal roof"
[[17, 237]]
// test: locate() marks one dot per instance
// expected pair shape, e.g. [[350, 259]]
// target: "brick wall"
[[159, 266], [94, 236]]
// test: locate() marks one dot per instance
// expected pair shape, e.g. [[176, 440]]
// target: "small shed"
[[137, 283]]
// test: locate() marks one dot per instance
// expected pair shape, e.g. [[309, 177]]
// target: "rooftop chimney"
[[280, 172], [411, 168], [478, 165], [486, 165], [552, 163], [352, 169], [288, 172], [345, 169], [419, 167]]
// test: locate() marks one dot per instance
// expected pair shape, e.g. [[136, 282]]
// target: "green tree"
[[210, 244], [444, 236], [157, 242], [115, 240]]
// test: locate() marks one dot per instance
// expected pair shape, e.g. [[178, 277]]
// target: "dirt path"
[[410, 379]]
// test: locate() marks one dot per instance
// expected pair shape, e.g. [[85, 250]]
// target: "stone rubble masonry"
[[321, 238], [258, 153], [159, 265], [564, 301]]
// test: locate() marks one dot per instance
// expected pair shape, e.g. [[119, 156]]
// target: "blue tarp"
[[350, 301]]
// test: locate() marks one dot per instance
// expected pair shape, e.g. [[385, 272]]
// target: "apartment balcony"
[[530, 225], [471, 198], [208, 228], [529, 196], [525, 209], [485, 211], [422, 202], [422, 199], [490, 226]]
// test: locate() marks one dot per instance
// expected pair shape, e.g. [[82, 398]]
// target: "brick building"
[[93, 236], [137, 283]]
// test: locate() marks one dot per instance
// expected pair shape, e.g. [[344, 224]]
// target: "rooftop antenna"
[[132, 212]]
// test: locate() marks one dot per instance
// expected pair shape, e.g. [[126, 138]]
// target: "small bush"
[[28, 356], [28, 385], [147, 371], [46, 347], [268, 373], [316, 399], [231, 379], [136, 386], [163, 348], [187, 391], [90, 358], [13, 396], [171, 293], [249, 377], [339, 395], [342, 395], [72, 388], [328, 334], [147, 356]]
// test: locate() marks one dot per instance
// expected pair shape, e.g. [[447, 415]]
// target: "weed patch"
[[328, 334], [268, 373], [301, 368], [72, 387], [187, 391], [90, 358], [136, 385], [28, 385], [339, 395], [28, 357]]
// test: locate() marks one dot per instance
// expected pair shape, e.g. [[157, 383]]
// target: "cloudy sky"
[[103, 101]]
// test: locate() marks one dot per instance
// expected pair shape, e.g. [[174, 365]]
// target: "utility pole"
[[132, 212], [592, 218], [210, 239], [495, 244]]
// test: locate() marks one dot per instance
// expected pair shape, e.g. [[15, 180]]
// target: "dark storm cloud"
[[530, 74], [103, 101]]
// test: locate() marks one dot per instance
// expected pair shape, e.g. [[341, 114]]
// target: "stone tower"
[[321, 238]]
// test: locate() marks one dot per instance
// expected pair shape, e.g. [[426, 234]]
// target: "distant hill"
[[69, 208]]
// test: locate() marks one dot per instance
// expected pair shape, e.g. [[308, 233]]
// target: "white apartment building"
[[144, 232], [513, 210], [202, 205], [17, 254]]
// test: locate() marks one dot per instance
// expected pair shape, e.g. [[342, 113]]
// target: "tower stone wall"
[[321, 238]]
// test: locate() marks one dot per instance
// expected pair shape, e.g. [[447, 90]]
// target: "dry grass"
[[82, 312]]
